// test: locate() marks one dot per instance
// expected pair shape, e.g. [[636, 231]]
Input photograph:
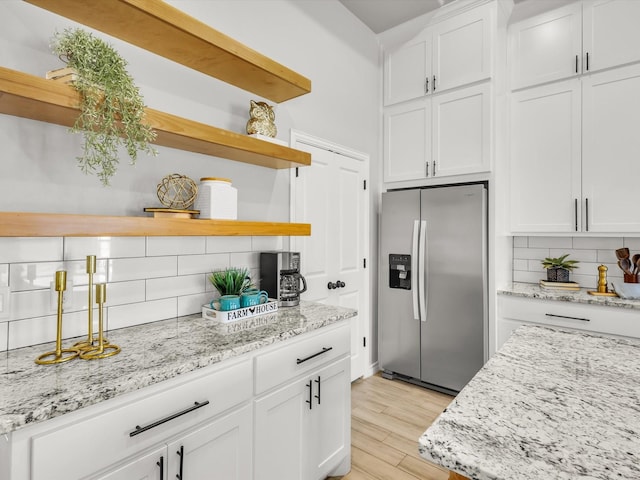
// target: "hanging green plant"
[[112, 108]]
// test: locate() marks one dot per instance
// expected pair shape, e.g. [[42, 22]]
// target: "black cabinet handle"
[[426, 85], [181, 455], [310, 401], [324, 350], [575, 212], [587, 61], [586, 214], [576, 63], [341, 284], [331, 285], [570, 318], [433, 169], [160, 463], [140, 429], [318, 395], [434, 83]]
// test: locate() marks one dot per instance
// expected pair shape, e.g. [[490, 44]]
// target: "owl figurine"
[[261, 119]]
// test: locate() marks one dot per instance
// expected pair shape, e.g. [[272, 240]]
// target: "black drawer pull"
[[570, 318], [324, 350], [160, 463], [140, 429]]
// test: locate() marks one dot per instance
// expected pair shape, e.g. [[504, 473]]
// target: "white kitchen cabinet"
[[151, 465], [581, 37], [407, 141], [453, 52], [516, 311], [545, 156], [573, 154], [302, 429], [447, 134], [302, 413]]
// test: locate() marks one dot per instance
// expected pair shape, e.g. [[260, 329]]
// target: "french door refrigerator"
[[432, 303]]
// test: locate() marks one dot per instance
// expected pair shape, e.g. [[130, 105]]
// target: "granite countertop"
[[531, 290], [550, 404], [151, 353]]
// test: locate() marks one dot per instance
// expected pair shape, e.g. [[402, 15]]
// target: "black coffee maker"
[[280, 277]]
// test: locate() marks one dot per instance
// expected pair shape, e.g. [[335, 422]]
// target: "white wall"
[[319, 39]]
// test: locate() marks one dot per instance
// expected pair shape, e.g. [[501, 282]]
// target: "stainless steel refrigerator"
[[432, 303]]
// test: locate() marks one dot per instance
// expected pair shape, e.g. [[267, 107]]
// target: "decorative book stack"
[[546, 285]]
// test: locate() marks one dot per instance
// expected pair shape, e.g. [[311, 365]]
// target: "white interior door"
[[331, 195]]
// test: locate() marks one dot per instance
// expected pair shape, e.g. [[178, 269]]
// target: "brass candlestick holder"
[[60, 354], [90, 342], [603, 290], [103, 349]]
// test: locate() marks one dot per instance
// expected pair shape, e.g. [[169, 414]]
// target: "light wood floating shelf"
[[24, 224], [162, 29], [28, 96]]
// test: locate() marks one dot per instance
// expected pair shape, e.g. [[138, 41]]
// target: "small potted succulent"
[[111, 109], [231, 281], [558, 269]]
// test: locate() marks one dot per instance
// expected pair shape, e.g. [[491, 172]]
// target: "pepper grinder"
[[602, 290], [58, 357], [102, 350]]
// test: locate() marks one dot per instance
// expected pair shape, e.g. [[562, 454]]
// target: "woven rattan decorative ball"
[[177, 191]]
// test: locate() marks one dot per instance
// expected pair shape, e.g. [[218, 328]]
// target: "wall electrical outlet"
[[67, 296], [5, 302]]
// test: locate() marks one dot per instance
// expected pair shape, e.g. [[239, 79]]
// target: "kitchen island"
[[186, 392], [549, 404]]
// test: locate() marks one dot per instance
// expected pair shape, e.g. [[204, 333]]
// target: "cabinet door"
[[150, 466], [463, 49], [611, 145], [462, 131], [220, 449], [329, 432], [610, 33], [407, 141], [279, 432], [545, 158], [546, 47], [407, 70]]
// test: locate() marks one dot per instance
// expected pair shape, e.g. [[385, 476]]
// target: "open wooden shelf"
[[162, 29], [28, 96], [24, 224]]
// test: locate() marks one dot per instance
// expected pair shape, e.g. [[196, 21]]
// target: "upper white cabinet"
[[454, 52], [575, 39], [574, 148]]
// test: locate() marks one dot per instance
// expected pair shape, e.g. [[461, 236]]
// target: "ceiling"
[[381, 15]]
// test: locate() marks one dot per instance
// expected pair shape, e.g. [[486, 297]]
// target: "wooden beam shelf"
[[28, 96], [25, 224], [167, 31]]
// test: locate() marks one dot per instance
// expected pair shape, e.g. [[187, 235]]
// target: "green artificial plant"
[[112, 108], [231, 281], [560, 262]]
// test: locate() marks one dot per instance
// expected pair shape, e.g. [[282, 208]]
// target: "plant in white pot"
[[558, 269], [112, 108]]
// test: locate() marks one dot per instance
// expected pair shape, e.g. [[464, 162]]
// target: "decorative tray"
[[240, 313]]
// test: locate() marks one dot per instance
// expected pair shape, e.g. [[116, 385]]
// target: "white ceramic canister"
[[217, 199]]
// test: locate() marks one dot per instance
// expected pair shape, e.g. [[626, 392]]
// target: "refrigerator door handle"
[[422, 271], [414, 268]]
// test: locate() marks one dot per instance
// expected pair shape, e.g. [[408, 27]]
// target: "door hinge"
[[296, 172], [364, 341], [364, 184], [364, 263]]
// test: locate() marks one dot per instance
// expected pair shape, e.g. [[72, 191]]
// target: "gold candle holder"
[[89, 343], [59, 355], [103, 349]]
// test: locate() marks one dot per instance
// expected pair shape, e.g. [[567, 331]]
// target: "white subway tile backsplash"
[[228, 244], [530, 253], [632, 244], [30, 249], [189, 304], [4, 275], [550, 242], [606, 256], [118, 293], [77, 248], [535, 265], [137, 313], [159, 246], [33, 331], [77, 271], [598, 243], [190, 264], [34, 303], [250, 260], [4, 336], [521, 242], [528, 277], [589, 255], [123, 269], [174, 286], [33, 276], [266, 244]]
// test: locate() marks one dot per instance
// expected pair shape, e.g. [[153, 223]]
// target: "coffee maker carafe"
[[280, 277]]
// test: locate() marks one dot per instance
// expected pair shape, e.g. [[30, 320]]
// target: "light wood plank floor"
[[387, 418]]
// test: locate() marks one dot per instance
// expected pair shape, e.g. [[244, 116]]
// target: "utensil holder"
[[630, 278]]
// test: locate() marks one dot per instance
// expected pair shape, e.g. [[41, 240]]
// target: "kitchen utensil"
[[625, 265], [638, 266], [622, 253], [634, 262]]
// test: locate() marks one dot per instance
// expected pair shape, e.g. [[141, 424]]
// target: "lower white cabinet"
[[516, 311], [151, 465]]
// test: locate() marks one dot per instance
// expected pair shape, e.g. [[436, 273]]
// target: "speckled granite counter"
[[531, 290], [151, 353], [551, 404]]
